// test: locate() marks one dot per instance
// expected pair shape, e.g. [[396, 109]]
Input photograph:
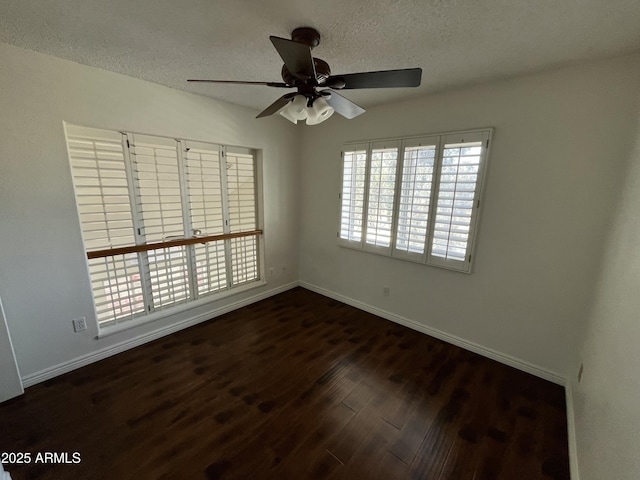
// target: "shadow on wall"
[[607, 412]]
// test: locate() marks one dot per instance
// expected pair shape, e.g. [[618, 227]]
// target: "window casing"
[[134, 190], [415, 198]]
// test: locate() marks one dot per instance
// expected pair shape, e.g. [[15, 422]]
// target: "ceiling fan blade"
[[277, 105], [240, 82], [409, 77], [296, 56], [342, 105]]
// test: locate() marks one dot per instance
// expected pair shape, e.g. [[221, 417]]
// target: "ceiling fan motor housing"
[[322, 73]]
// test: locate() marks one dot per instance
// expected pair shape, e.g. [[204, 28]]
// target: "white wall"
[[561, 138], [607, 401], [43, 279]]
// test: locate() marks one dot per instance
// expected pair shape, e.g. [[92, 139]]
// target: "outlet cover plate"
[[79, 324]]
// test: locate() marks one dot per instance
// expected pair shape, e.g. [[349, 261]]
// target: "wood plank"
[[295, 386]]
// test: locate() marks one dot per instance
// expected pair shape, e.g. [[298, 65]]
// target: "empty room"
[[302, 240]]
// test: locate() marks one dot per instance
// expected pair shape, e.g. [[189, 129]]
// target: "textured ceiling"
[[455, 42]]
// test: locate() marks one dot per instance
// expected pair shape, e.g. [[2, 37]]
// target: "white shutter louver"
[[352, 197], [211, 271], [117, 288], [157, 186], [415, 197], [241, 188], [457, 189], [204, 186], [244, 260], [382, 181], [102, 194], [155, 171]]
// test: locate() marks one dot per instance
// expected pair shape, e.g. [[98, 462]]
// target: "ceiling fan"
[[316, 98]]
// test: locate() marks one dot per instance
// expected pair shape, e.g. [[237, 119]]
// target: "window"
[[164, 221], [415, 199]]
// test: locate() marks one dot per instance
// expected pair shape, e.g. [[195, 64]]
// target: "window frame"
[[483, 135]]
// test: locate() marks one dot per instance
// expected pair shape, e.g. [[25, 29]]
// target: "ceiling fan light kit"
[[297, 110], [316, 98]]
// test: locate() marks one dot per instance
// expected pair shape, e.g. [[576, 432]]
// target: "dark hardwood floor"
[[296, 387]]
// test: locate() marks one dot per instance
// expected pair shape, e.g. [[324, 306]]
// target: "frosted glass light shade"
[[319, 112], [296, 109]]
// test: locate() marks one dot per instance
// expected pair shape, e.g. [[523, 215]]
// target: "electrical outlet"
[[385, 291], [271, 272], [79, 324], [580, 372]]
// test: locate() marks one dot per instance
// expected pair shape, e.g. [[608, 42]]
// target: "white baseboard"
[[460, 342], [51, 372], [571, 433]]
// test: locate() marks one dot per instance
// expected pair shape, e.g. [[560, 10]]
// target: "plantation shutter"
[[99, 173], [354, 166], [133, 190], [156, 177], [100, 179], [203, 169], [419, 197], [416, 191], [380, 199], [457, 199], [240, 169], [241, 188]]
